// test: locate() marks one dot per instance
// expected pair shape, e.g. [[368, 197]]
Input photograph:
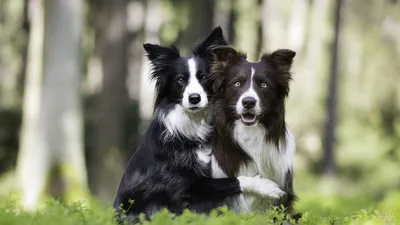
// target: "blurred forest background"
[[75, 96]]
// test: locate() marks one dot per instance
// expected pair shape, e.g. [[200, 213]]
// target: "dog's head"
[[183, 80], [251, 92]]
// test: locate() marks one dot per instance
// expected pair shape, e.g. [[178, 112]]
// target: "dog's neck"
[[236, 145], [178, 121]]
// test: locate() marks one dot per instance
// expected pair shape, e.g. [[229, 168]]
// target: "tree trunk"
[[61, 115], [273, 24], [312, 66], [24, 51], [222, 16], [152, 25], [331, 122], [297, 26], [11, 13], [198, 25], [105, 159], [318, 26], [247, 27], [52, 128], [135, 21], [32, 162]]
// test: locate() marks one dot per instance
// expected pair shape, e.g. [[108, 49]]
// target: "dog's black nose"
[[194, 98], [248, 102]]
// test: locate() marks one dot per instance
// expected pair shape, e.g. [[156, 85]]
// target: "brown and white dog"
[[250, 136]]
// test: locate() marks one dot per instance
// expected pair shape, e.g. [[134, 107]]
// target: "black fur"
[[165, 172]]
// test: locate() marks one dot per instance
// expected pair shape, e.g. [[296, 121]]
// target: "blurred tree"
[[297, 26], [223, 16], [25, 26], [61, 112], [315, 47], [332, 99], [105, 160], [57, 156], [32, 162], [152, 26], [247, 26], [13, 43], [198, 25], [135, 25], [274, 23]]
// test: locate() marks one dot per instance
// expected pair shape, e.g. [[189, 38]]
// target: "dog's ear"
[[161, 58], [214, 39], [160, 53], [227, 55], [223, 56], [282, 59]]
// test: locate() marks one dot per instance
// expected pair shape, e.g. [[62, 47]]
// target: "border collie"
[[251, 137], [171, 168]]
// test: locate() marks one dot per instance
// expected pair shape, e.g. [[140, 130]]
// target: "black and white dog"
[[251, 137], [172, 166]]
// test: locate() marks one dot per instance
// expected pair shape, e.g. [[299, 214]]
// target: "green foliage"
[[54, 212]]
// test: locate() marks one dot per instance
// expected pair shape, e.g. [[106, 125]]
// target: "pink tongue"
[[248, 118]]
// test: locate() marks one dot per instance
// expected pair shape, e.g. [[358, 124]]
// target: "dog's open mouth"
[[248, 119]]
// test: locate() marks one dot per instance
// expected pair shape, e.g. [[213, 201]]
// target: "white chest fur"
[[268, 160]]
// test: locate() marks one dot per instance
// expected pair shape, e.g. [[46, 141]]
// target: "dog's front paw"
[[260, 186]]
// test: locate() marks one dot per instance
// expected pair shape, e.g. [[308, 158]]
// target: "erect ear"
[[160, 53], [161, 58], [214, 39], [223, 56], [282, 58]]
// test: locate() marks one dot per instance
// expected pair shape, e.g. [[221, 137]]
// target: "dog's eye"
[[180, 81], [237, 83], [201, 75], [263, 85]]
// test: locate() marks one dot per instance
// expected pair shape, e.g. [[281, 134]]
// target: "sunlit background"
[[75, 96]]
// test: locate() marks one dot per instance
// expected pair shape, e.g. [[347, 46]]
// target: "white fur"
[[216, 170], [194, 87], [252, 183], [263, 187], [178, 121], [271, 161], [204, 154], [249, 93]]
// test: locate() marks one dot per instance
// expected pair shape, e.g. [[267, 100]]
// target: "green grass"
[[320, 211]]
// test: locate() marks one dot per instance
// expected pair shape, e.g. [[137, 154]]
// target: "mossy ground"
[[318, 210]]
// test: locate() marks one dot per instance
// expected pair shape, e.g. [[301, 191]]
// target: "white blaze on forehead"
[[192, 65], [249, 93], [194, 86], [253, 71]]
